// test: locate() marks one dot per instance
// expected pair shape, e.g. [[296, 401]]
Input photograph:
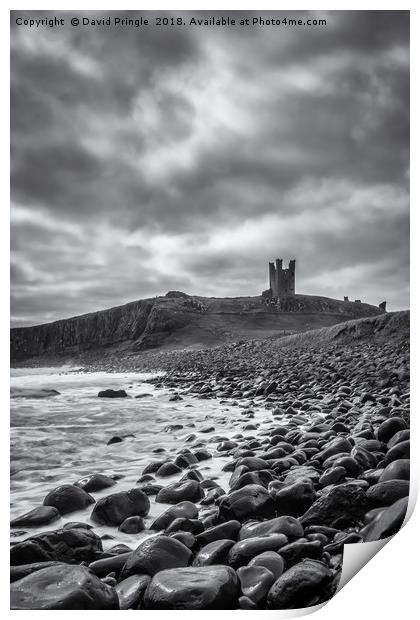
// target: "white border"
[[386, 587]]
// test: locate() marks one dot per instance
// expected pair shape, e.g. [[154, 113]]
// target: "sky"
[[185, 158]]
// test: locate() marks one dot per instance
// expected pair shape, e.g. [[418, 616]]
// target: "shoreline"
[[326, 465]]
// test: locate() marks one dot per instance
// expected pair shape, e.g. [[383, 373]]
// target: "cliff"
[[178, 321]]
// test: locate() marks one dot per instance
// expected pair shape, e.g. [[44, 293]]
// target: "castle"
[[282, 291], [282, 281]]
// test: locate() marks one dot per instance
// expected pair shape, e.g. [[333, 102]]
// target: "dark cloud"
[[160, 158]]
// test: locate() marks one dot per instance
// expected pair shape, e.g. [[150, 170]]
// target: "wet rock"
[[185, 460], [389, 427], [70, 525], [350, 464], [398, 438], [289, 526], [73, 545], [397, 470], [151, 489], [130, 591], [205, 587], [270, 560], [181, 524], [363, 457], [255, 581], [335, 446], [302, 472], [299, 550], [132, 525], [112, 394], [156, 554], [250, 501], [114, 439], [62, 587], [167, 469], [190, 490], [115, 508], [340, 507], [300, 586], [202, 455], [246, 603], [186, 538], [114, 563], [387, 492], [171, 428], [153, 467], [399, 451], [228, 529], [243, 551], [387, 522], [95, 482], [187, 510], [41, 515], [262, 478], [333, 475], [18, 572], [293, 499], [215, 552], [68, 498], [227, 445]]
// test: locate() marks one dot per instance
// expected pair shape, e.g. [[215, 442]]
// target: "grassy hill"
[[178, 321]]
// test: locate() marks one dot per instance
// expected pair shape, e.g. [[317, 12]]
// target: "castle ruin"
[[282, 297], [282, 282]]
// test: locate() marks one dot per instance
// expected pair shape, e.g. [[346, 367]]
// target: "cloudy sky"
[[147, 160]]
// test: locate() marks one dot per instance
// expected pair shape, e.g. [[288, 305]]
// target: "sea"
[[59, 439]]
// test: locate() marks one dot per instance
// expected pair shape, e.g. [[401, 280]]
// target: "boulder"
[[130, 591], [187, 491], [228, 529], [132, 525], [215, 552], [187, 510], [68, 498], [340, 507], [18, 572], [95, 482], [112, 564], [112, 394], [156, 554], [65, 545], [299, 550], [335, 446], [255, 581], [244, 550], [293, 499], [399, 451], [397, 470], [289, 526], [387, 492], [251, 500], [387, 522], [271, 560], [302, 585], [204, 587], [181, 524], [167, 469], [115, 508], [62, 587], [41, 515], [389, 427]]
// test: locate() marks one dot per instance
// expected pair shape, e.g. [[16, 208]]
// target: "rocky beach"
[[224, 478]]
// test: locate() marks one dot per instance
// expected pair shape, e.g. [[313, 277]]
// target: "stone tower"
[[281, 281]]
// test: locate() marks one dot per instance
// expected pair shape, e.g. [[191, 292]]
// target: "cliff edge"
[[178, 321]]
